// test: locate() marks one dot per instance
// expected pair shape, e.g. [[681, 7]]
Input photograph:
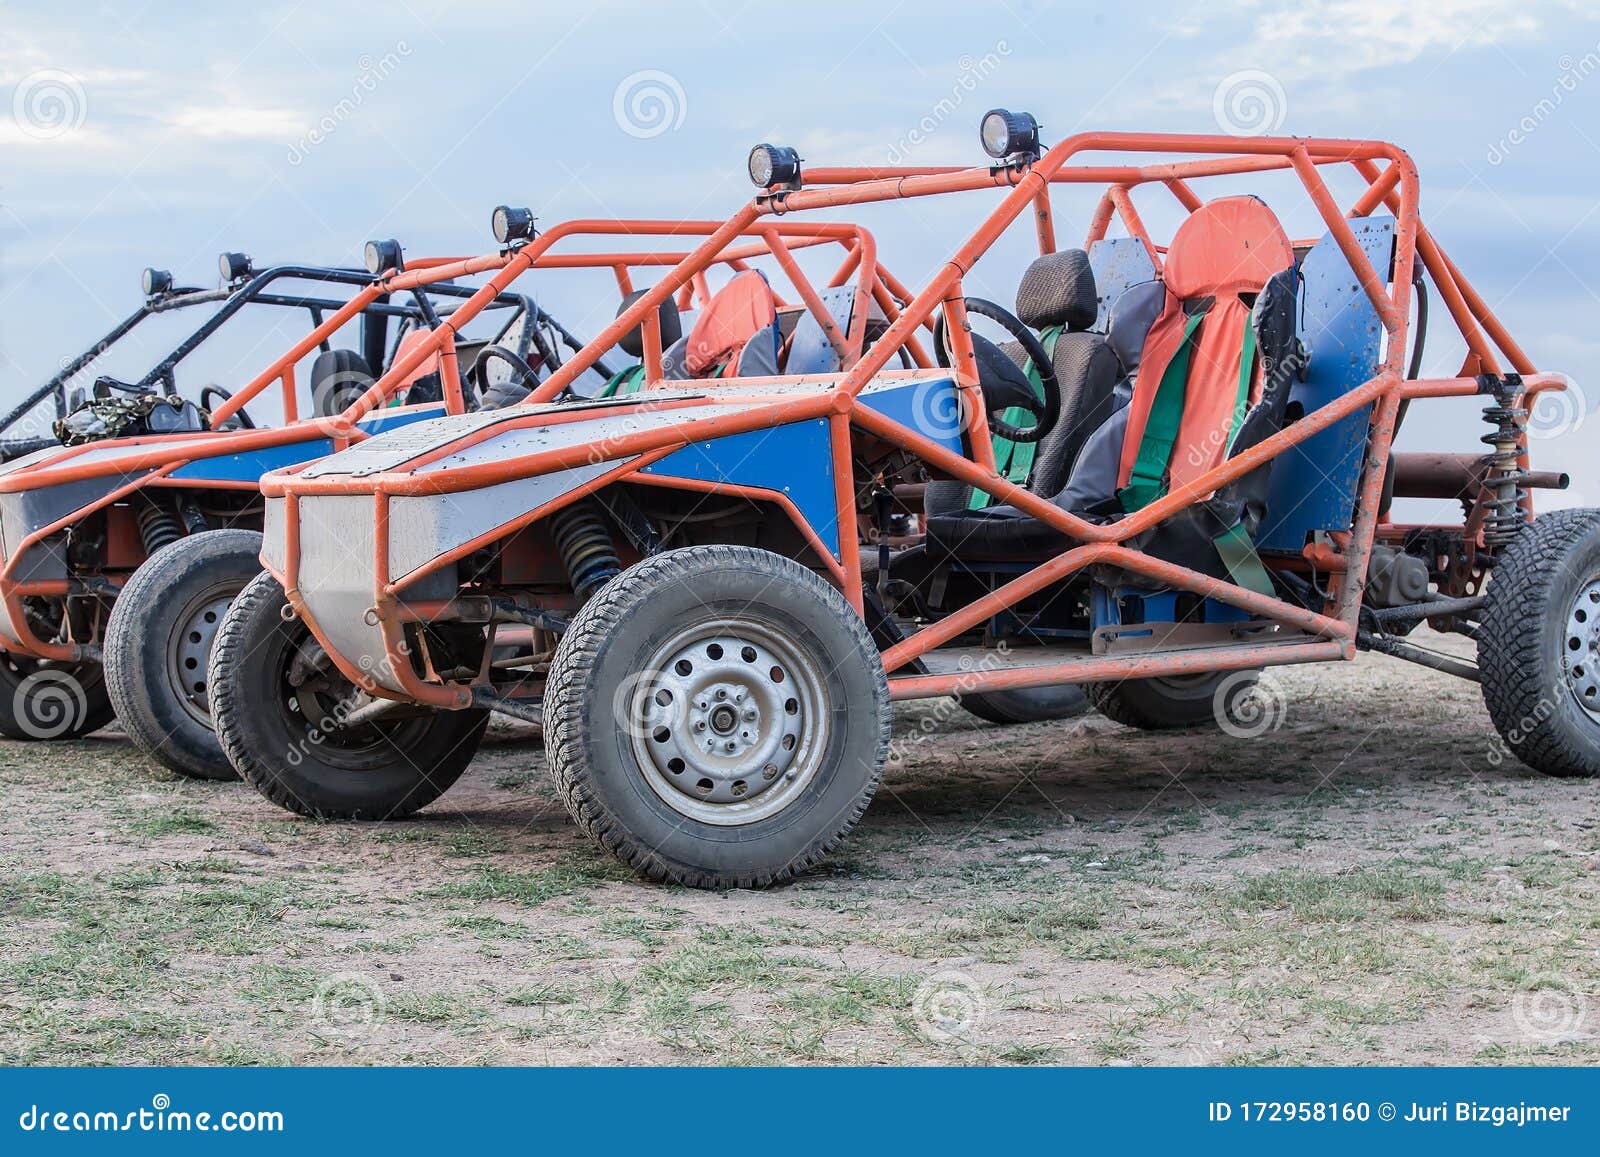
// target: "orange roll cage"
[[1391, 184]]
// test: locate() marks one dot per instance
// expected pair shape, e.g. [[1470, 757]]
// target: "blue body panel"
[[797, 461], [1313, 485], [793, 460], [1156, 607], [249, 467]]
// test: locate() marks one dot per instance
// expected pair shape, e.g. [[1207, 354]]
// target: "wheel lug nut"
[[749, 714], [700, 725], [721, 694], [730, 745]]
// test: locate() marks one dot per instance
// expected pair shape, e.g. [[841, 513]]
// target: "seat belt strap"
[[1014, 460], [625, 381], [1244, 565], [1247, 373], [1148, 481]]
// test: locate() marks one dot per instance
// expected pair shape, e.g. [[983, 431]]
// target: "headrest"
[[1058, 289], [632, 342], [733, 316], [1231, 245], [1129, 319]]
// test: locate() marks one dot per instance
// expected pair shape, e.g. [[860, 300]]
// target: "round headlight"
[[233, 266], [1009, 134], [155, 281], [773, 165], [508, 224], [381, 256]]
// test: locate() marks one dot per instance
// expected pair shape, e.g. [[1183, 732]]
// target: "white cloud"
[[238, 122]]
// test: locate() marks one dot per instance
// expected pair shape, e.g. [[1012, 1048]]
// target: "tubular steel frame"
[[1392, 184], [422, 276]]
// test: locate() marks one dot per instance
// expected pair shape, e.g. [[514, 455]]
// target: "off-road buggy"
[[154, 494], [731, 578]]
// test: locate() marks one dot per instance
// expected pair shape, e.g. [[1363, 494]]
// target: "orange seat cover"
[[1231, 246], [735, 314]]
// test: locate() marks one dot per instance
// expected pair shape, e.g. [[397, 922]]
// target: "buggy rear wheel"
[[1539, 644], [40, 699], [1173, 702], [280, 707], [717, 716], [158, 645], [1028, 704]]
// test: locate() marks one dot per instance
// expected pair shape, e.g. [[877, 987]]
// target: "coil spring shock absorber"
[[158, 526], [1504, 476], [586, 547]]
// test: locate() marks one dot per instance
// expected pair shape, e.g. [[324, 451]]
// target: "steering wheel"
[[244, 419], [1003, 384], [528, 377]]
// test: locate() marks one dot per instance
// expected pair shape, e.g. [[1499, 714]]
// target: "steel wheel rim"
[[1580, 650], [316, 711], [729, 722], [189, 652]]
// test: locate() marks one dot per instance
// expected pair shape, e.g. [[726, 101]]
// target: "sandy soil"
[[1368, 880]]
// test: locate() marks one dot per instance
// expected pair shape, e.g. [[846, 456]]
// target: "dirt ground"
[[1368, 880]]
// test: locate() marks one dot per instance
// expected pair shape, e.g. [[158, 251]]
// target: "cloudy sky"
[[161, 134]]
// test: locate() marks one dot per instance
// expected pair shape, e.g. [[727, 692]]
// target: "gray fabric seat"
[[1057, 290]]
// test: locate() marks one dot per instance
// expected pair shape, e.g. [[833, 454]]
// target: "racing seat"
[[736, 334], [1216, 355], [1057, 297]]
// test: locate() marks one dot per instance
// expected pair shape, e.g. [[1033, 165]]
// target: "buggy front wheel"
[[280, 707], [1539, 644], [717, 716]]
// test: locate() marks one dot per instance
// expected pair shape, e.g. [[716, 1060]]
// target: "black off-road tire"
[[46, 700], [610, 645], [1170, 704], [155, 656], [382, 771], [1028, 704], [1523, 643]]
